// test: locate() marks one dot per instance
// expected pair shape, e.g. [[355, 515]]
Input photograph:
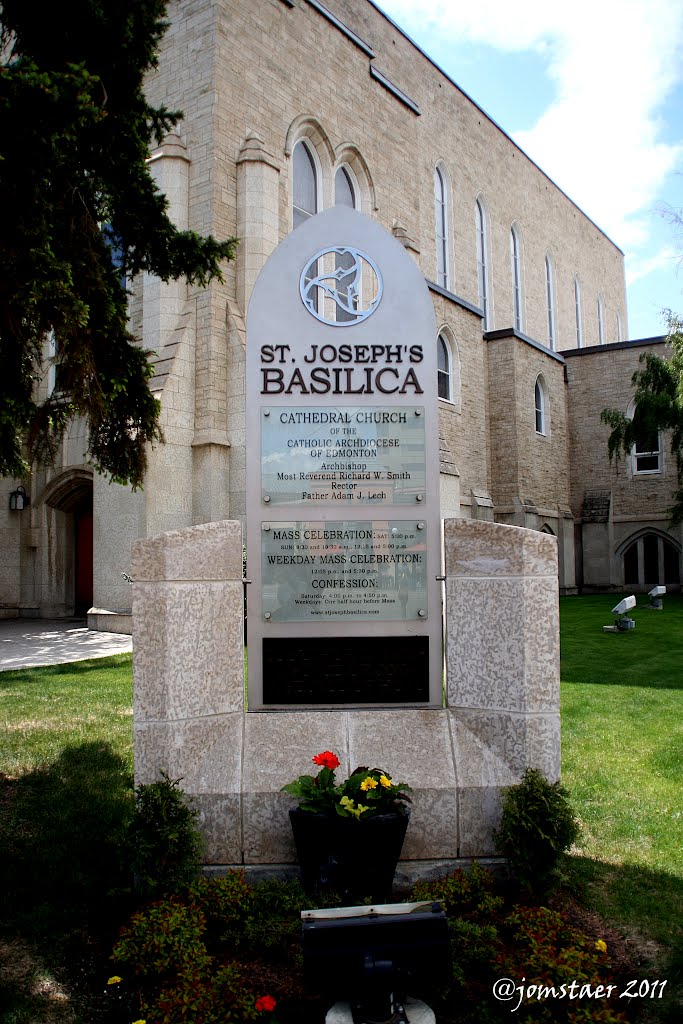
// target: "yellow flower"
[[601, 945], [139, 1022], [368, 783], [114, 980], [384, 781]]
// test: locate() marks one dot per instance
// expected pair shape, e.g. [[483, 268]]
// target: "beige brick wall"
[[525, 464], [596, 380]]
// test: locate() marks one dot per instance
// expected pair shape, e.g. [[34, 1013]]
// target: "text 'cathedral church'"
[[291, 107]]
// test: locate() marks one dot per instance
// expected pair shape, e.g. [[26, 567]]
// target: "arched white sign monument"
[[343, 527]]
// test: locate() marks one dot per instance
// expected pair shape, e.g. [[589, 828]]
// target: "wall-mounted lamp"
[[19, 499]]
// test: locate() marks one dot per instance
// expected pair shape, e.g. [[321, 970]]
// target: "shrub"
[[162, 939], [461, 892], [165, 845], [546, 950], [274, 916], [179, 951], [206, 995], [537, 825]]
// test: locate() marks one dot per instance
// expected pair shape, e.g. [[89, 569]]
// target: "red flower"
[[327, 760], [266, 1004]]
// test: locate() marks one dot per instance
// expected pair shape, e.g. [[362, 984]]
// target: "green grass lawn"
[[45, 710], [622, 762]]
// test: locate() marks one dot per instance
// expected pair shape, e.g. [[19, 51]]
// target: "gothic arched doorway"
[[70, 495]]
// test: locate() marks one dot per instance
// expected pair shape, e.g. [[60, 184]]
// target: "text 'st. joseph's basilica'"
[[291, 108]]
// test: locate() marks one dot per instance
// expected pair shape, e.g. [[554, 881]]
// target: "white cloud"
[[612, 62], [637, 268]]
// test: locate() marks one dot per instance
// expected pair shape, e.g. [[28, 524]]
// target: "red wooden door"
[[83, 545]]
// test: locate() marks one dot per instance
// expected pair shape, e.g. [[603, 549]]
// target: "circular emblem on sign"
[[341, 286]]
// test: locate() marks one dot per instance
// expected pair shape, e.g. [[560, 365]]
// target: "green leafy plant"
[[165, 845], [177, 956], [212, 995], [366, 793], [273, 920], [537, 825], [461, 892], [162, 939], [542, 947]]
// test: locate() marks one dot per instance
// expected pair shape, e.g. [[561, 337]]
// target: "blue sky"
[[593, 92]]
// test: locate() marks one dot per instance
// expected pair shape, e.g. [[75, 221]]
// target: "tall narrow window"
[[441, 214], [516, 279], [549, 294], [482, 273], [620, 336], [443, 359], [51, 363], [541, 406], [344, 195], [344, 191], [577, 307], [304, 196], [305, 185], [601, 321]]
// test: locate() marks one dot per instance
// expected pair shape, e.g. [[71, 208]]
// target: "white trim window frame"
[[444, 363], [516, 257], [541, 407], [550, 299], [441, 222], [305, 205], [482, 267], [646, 460], [577, 312]]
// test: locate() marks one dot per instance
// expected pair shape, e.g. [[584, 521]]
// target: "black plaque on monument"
[[335, 670]]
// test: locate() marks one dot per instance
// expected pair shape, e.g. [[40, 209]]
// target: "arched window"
[[305, 198], [345, 193], [651, 560], [482, 270], [441, 218], [541, 406], [444, 367], [601, 321], [550, 299], [352, 180], [577, 307], [516, 258], [448, 367]]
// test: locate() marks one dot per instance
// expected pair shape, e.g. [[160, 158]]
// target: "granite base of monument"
[[501, 713]]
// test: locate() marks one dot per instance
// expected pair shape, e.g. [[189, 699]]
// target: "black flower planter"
[[354, 859]]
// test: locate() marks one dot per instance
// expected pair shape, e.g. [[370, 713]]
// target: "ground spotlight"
[[622, 621]]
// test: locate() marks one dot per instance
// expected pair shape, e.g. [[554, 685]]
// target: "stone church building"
[[290, 107]]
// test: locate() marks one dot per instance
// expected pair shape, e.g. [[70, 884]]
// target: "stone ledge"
[[101, 620], [408, 872]]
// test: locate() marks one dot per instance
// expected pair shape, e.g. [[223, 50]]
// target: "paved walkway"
[[27, 643]]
